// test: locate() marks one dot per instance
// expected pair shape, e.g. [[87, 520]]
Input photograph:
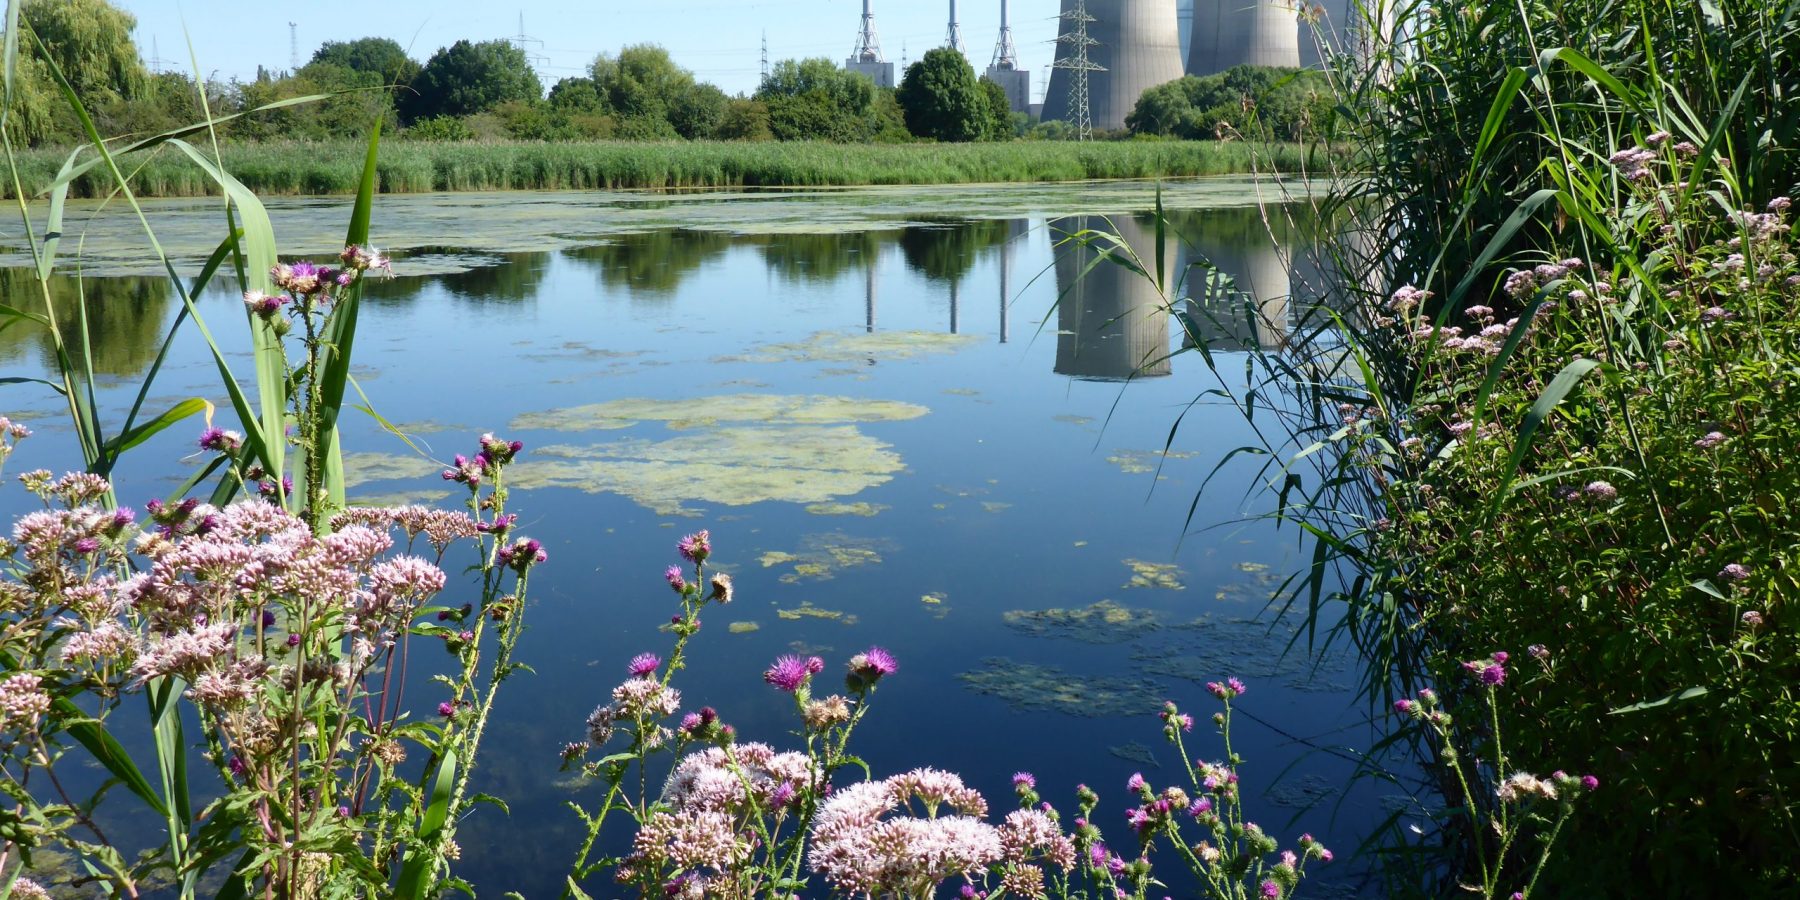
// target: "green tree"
[[817, 100], [942, 100], [744, 120], [90, 41], [999, 111], [466, 78], [697, 111], [578, 94], [381, 57], [1258, 102], [641, 83]]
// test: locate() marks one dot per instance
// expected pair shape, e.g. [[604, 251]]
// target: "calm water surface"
[[894, 429]]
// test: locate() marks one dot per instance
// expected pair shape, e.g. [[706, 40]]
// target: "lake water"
[[895, 431]]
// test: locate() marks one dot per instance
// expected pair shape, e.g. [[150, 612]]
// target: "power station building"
[[1136, 46], [867, 58]]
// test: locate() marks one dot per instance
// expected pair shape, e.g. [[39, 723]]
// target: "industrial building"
[[1005, 69], [867, 58], [1135, 45]]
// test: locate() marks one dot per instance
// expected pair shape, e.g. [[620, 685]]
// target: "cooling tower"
[[1111, 323], [1137, 43], [1242, 32]]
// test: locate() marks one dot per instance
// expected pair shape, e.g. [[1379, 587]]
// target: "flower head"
[[695, 547], [674, 576], [788, 673], [643, 665]]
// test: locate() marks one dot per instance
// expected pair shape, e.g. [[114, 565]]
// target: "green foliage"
[[1258, 102], [467, 78], [90, 41], [744, 120], [817, 100], [415, 166], [943, 101], [999, 112], [381, 57]]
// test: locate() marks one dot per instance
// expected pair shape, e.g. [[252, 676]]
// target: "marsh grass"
[[421, 167]]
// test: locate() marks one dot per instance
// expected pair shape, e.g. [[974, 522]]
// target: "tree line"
[[489, 90]]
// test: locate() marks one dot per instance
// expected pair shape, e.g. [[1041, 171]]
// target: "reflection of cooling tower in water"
[[1257, 313], [1112, 324]]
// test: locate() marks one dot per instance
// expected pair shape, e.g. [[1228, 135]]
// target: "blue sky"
[[721, 40]]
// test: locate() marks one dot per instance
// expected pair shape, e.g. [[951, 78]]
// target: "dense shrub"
[[1260, 102]]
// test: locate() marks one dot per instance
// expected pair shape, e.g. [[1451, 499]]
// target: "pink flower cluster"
[[863, 843]]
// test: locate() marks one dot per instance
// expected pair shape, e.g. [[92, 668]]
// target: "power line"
[[537, 60]]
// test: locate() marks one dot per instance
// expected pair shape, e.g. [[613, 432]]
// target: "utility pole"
[[1078, 63], [525, 42]]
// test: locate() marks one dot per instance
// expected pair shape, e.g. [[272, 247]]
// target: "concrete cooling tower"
[[1242, 32], [1111, 323], [1138, 44]]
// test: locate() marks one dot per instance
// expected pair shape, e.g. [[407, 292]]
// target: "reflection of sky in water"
[[1017, 490]]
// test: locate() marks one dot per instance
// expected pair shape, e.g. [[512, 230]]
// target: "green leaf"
[[1559, 389], [421, 862], [1688, 694], [575, 890], [183, 410], [340, 331]]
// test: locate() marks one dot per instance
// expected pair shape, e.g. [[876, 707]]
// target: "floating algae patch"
[[839, 347], [859, 508], [1105, 622], [1216, 646], [1252, 568], [1135, 752], [808, 611], [364, 468], [821, 556], [1077, 421], [1154, 575], [427, 496], [995, 506], [1142, 462], [733, 466], [744, 627], [962, 392], [1304, 792], [935, 605], [1035, 688], [696, 412]]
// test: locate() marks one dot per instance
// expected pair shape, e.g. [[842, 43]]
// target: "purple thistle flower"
[[1024, 780], [783, 795], [1235, 684], [293, 640], [87, 545], [1403, 707], [814, 665], [787, 674], [643, 664], [673, 576], [695, 547], [268, 618], [876, 662], [1271, 890], [446, 709], [691, 723], [1589, 782], [237, 766], [1135, 783]]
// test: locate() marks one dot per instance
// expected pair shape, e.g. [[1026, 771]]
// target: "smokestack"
[[1229, 33], [1139, 47], [1005, 70], [867, 58], [954, 40]]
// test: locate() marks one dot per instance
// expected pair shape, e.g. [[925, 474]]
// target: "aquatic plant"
[[281, 642], [743, 819]]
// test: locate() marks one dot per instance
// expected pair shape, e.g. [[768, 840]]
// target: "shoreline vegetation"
[[406, 167]]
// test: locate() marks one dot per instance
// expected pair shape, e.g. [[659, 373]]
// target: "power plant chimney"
[[1005, 71], [1136, 43], [867, 58], [1230, 33], [953, 39]]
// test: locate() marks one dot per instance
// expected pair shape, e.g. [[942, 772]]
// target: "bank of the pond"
[[419, 167]]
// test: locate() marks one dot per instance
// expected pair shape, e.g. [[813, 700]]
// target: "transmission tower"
[[765, 57], [953, 39], [1079, 65], [294, 46], [525, 42]]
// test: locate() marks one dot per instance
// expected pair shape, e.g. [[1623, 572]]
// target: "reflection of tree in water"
[[820, 258], [126, 317], [948, 251], [496, 278], [652, 263]]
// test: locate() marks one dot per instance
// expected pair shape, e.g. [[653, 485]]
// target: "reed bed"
[[417, 167]]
